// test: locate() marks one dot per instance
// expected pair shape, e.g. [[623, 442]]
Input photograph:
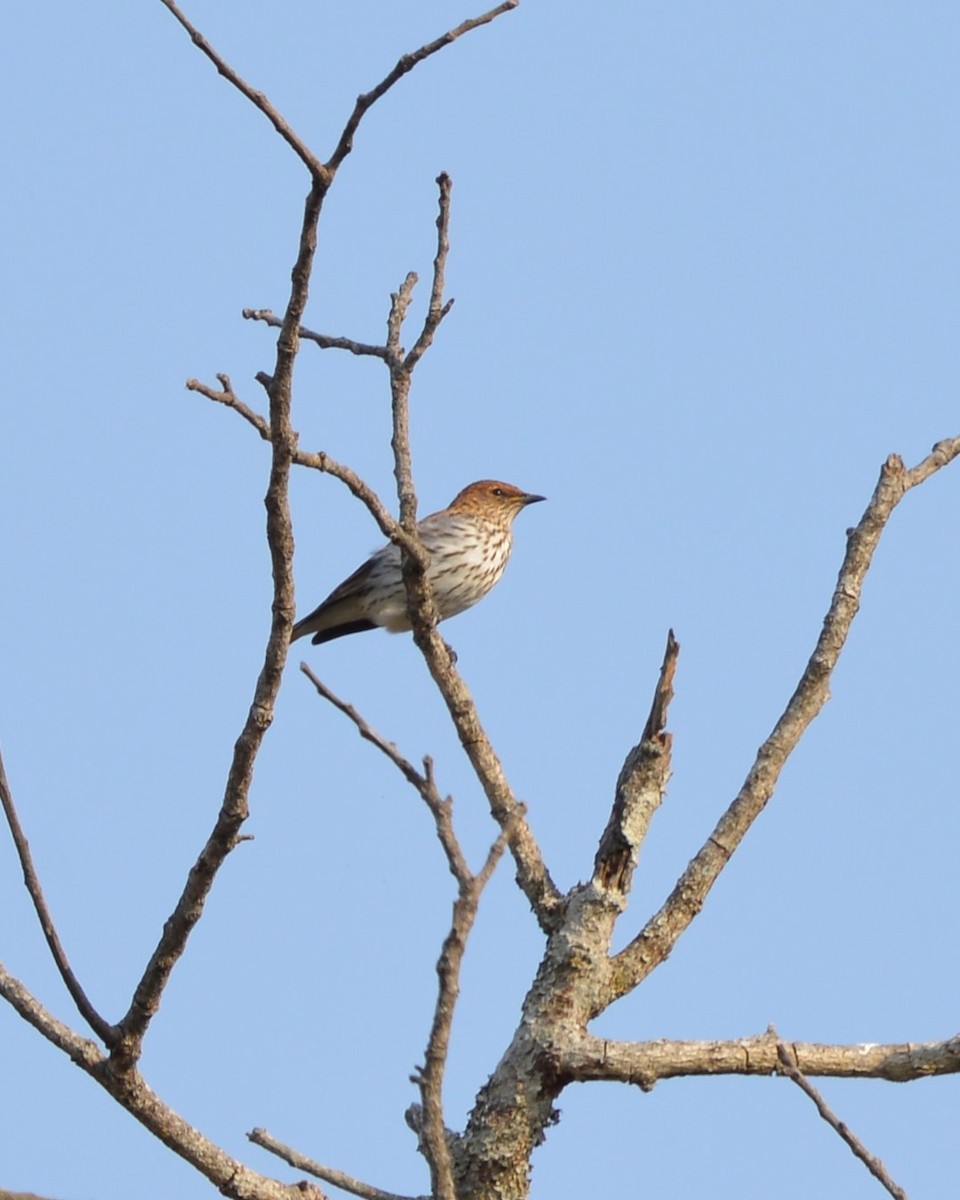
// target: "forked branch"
[[130, 1090], [532, 874], [432, 1131], [658, 937], [405, 64], [235, 806]]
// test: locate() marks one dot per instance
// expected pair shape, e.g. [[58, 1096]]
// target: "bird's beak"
[[530, 499]]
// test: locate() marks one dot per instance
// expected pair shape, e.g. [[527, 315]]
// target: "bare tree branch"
[[235, 806], [437, 309], [323, 173], [432, 1130], [322, 340], [257, 99], [533, 877], [228, 397], [339, 1179], [227, 1174], [392, 351], [543, 895], [81, 1050], [646, 1063], [405, 64], [788, 1064], [532, 874], [658, 937], [425, 784], [640, 788], [102, 1028], [314, 460], [577, 977], [400, 380], [422, 784], [442, 810], [433, 1133], [322, 462]]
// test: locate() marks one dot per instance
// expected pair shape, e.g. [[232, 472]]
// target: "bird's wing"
[[344, 604]]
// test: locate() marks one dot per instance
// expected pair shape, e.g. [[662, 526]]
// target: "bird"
[[469, 543]]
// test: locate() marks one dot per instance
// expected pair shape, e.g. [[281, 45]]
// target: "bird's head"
[[492, 499]]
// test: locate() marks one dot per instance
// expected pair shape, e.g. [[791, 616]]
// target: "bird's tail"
[[309, 625]]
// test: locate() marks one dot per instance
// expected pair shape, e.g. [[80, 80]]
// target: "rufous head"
[[492, 498]]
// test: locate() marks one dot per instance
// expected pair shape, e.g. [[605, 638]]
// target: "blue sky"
[[705, 263]]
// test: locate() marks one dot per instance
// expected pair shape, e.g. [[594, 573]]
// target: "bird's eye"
[[498, 491]]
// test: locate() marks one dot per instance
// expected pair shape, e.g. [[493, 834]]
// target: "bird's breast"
[[467, 557]]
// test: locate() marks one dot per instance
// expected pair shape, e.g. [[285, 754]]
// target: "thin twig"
[[658, 937], [400, 379], [425, 784], [228, 397], [442, 811], [368, 733], [323, 173], [260, 1137], [437, 308], [257, 99], [405, 64], [321, 461], [399, 306], [315, 461], [389, 526], [102, 1028], [433, 1133], [873, 1164], [323, 340]]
